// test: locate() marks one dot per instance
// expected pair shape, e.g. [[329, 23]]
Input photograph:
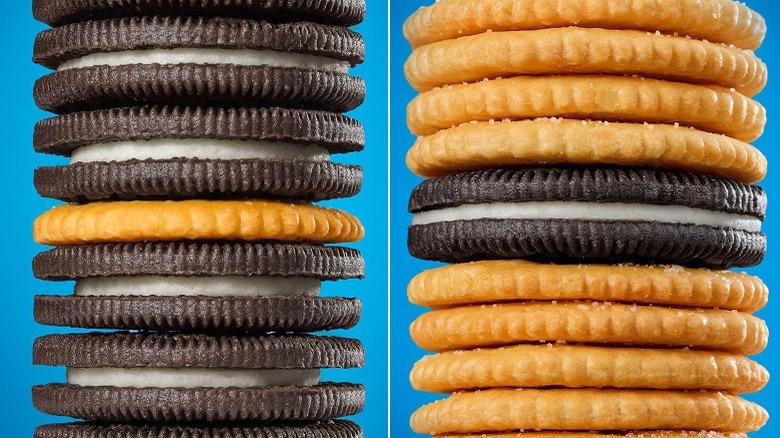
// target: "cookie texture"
[[582, 241], [104, 86], [723, 21], [61, 135], [198, 259], [183, 178], [282, 403], [128, 350], [296, 314], [500, 410], [589, 323], [634, 434], [54, 46], [560, 51], [496, 281], [579, 366], [325, 429], [143, 221], [338, 12], [594, 184], [485, 145], [614, 99]]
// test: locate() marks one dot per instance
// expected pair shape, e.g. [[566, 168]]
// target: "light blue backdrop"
[[21, 205], [404, 353]]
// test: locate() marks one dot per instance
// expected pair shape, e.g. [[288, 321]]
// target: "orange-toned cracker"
[[723, 21], [562, 51], [189, 220], [636, 434]]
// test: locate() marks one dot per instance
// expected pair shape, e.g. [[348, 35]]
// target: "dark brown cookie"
[[105, 86], [609, 184], [195, 178], [130, 350], [325, 429], [339, 12], [569, 241], [282, 403], [296, 314], [61, 135], [198, 259], [55, 46]]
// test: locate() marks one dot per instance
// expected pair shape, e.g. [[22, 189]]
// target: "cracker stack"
[[198, 133], [591, 179]]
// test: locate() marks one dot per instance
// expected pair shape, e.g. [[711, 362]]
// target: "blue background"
[[21, 205], [404, 353]]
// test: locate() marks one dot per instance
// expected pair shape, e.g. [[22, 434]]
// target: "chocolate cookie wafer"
[[593, 214], [325, 429], [198, 286], [186, 152], [336, 12], [198, 61], [156, 377]]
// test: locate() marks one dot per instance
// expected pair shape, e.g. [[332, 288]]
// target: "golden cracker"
[[498, 410], [517, 280], [577, 366], [636, 434], [589, 323], [486, 145], [190, 220], [723, 21], [611, 98], [561, 51]]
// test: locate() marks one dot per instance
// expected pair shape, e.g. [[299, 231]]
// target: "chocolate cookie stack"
[[198, 133], [590, 184]]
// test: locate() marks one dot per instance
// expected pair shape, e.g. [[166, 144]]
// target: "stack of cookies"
[[591, 180], [198, 134]]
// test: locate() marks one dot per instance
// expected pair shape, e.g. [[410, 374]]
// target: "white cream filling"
[[203, 148], [203, 56], [229, 286], [190, 377], [673, 214]]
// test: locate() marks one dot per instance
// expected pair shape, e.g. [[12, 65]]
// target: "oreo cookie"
[[325, 429], [198, 286], [337, 12], [178, 153], [194, 378], [198, 61], [576, 215]]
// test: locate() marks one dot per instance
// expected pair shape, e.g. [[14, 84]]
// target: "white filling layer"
[[190, 377], [198, 286], [166, 148], [203, 56], [672, 214]]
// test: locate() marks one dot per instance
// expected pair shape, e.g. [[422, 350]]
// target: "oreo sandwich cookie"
[[324, 429], [129, 377], [190, 152], [198, 61], [575, 215], [199, 286], [336, 12]]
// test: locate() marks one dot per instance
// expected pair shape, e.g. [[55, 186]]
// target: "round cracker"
[[324, 429], [539, 366], [280, 313], [614, 99], [723, 21], [634, 434], [589, 323], [270, 404], [338, 12], [561, 51], [499, 410], [497, 281], [533, 142], [144, 221]]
